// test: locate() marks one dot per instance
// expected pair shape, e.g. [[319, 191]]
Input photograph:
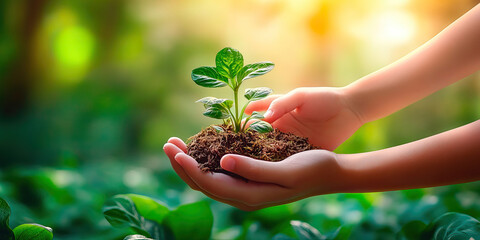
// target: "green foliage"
[[412, 230], [28, 231], [121, 212], [32, 231], [230, 71], [5, 230], [151, 219], [305, 231], [455, 226], [136, 237], [191, 221]]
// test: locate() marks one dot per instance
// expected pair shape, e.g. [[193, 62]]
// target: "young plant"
[[229, 71]]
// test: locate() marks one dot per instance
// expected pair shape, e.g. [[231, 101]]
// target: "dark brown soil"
[[209, 145]]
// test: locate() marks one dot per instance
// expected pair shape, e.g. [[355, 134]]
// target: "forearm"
[[448, 158], [450, 56]]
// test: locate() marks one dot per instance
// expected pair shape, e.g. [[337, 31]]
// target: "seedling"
[[229, 71]]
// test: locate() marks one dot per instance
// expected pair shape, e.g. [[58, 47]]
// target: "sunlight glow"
[[393, 27]]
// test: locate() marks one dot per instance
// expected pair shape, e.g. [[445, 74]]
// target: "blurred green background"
[[91, 90]]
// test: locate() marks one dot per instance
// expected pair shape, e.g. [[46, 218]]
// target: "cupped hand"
[[301, 175], [322, 114]]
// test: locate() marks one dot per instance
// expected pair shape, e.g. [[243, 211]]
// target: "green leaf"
[[229, 61], [32, 231], [305, 231], [149, 208], [256, 115], [5, 230], [216, 112], [136, 237], [217, 128], [216, 102], [191, 221], [208, 77], [261, 127], [254, 70], [121, 212], [453, 226], [342, 233], [254, 94]]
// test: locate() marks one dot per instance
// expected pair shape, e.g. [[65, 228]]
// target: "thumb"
[[254, 169], [284, 105]]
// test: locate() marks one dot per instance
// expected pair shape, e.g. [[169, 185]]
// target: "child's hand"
[[321, 114], [269, 183]]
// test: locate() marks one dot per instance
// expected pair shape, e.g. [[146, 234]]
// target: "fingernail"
[[268, 114], [228, 164], [177, 158]]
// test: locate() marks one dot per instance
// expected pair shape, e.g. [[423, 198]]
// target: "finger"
[[179, 143], [253, 169], [250, 193], [260, 105], [172, 150], [283, 105]]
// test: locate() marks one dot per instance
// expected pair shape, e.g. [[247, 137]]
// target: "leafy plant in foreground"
[[149, 219], [450, 225], [26, 231], [229, 71]]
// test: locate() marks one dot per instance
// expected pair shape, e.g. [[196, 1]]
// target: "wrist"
[[352, 102], [349, 179]]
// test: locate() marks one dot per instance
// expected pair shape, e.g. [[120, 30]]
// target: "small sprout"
[[229, 71], [218, 128]]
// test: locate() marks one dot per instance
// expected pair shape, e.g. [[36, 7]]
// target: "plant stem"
[[245, 123], [237, 122]]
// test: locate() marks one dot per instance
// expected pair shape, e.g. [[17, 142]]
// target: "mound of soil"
[[209, 145]]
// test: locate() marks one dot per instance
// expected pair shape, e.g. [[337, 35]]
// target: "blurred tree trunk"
[[19, 80]]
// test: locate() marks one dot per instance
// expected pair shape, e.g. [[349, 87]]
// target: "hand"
[[322, 114], [301, 175]]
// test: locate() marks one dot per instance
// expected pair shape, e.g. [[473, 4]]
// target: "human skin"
[[448, 158], [328, 116]]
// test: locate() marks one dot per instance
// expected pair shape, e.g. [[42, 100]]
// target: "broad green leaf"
[[121, 212], [32, 231], [229, 61], [216, 112], [254, 94], [454, 226], [149, 208], [5, 230], [261, 126], [256, 115], [412, 230], [305, 231], [136, 237], [208, 77], [191, 221], [216, 102], [273, 216], [254, 70]]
